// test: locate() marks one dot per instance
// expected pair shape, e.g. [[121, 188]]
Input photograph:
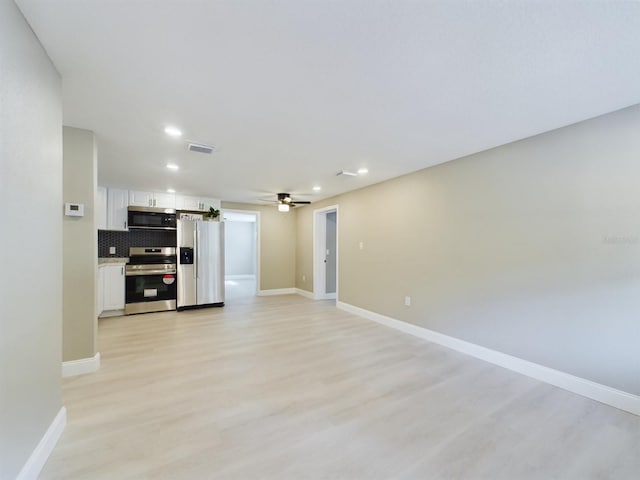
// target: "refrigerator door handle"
[[197, 255], [195, 248]]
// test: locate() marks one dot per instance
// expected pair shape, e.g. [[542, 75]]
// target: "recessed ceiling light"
[[170, 190], [172, 166], [173, 131], [363, 171], [317, 188]]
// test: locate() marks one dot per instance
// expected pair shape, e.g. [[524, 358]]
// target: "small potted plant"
[[213, 213]]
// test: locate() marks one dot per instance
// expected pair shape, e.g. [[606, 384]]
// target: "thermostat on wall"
[[74, 209]]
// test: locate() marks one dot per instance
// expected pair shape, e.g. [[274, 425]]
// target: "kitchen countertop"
[[112, 260]]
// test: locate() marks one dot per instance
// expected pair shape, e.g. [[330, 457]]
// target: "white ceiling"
[[292, 91]]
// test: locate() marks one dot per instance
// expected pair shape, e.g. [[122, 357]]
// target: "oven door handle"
[[139, 273]]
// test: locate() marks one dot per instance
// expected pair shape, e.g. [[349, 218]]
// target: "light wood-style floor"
[[287, 388]]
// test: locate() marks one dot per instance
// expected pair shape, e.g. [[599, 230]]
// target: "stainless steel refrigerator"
[[200, 264]]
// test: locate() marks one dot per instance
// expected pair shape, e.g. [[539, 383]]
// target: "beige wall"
[[532, 249], [79, 246], [30, 241], [304, 247], [277, 245]]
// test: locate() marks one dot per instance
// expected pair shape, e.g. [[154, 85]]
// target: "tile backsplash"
[[133, 238]]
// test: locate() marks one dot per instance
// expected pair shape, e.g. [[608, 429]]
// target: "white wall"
[[30, 241], [240, 248]]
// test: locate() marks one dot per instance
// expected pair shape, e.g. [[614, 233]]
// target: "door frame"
[[257, 214], [319, 252]]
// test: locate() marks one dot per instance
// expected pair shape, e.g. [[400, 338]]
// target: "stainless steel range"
[[150, 278]]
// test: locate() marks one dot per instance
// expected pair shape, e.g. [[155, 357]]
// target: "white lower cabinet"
[[111, 287]]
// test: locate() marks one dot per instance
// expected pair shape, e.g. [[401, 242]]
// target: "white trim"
[[81, 366], [40, 454], [305, 293], [595, 391], [319, 247], [240, 277], [325, 296], [276, 291]]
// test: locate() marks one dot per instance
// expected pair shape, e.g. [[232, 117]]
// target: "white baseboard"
[[240, 277], [111, 313], [40, 454], [276, 291], [596, 391], [298, 291], [79, 367], [325, 296], [305, 293]]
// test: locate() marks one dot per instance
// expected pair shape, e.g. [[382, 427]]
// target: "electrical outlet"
[[304, 278], [112, 250], [407, 301], [361, 245]]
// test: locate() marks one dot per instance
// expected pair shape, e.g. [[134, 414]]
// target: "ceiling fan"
[[285, 202]]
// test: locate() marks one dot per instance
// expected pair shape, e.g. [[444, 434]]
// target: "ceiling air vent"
[[201, 148]]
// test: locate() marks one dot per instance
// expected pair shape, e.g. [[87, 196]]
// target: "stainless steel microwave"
[[152, 218]]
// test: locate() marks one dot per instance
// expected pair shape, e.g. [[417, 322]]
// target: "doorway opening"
[[241, 254], [325, 253]]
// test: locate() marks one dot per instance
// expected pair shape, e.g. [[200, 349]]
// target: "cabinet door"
[[140, 199], [113, 278], [100, 299], [101, 209], [186, 202], [117, 201], [210, 202], [164, 200]]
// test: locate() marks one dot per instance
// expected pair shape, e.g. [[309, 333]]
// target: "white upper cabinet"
[[140, 199], [211, 202], [112, 203], [117, 202], [164, 200], [187, 202], [151, 199], [101, 208], [199, 204]]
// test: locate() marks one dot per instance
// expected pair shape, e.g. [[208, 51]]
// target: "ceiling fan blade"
[[296, 202]]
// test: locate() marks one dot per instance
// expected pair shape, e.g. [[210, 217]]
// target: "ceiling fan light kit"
[[285, 202]]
